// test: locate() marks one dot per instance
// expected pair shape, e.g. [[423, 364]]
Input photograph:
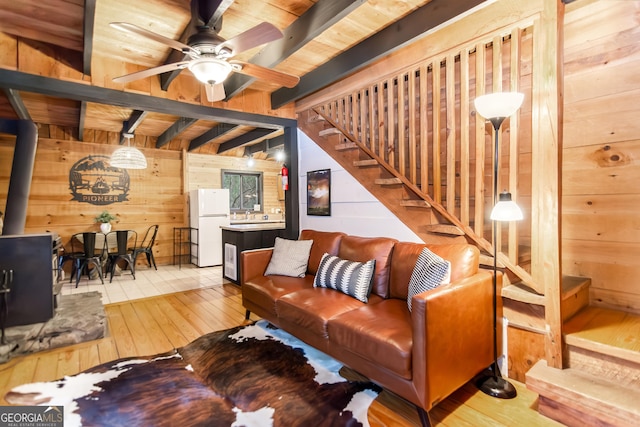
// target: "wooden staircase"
[[601, 383], [399, 196]]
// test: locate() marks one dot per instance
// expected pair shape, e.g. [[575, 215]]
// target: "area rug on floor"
[[77, 318], [254, 375]]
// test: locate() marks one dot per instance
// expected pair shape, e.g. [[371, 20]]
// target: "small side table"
[[179, 240]]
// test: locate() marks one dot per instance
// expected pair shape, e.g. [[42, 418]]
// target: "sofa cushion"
[[289, 258], [379, 333], [312, 308], [264, 291], [365, 248], [323, 242], [464, 261], [429, 272], [352, 278]]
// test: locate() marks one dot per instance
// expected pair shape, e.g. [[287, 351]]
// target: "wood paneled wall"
[[600, 166], [205, 171], [157, 194]]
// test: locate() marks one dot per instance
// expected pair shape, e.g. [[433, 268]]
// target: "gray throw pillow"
[[289, 258], [349, 277], [429, 272]]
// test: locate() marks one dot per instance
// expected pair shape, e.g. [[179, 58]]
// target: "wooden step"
[[315, 118], [604, 342], [388, 181], [329, 131], [526, 309], [345, 146], [415, 203], [365, 163], [577, 398], [448, 229]]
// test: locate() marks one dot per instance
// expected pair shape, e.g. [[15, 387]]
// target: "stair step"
[[577, 398], [526, 309], [329, 131], [388, 181], [345, 146], [603, 330], [316, 118], [364, 163], [449, 229], [415, 203]]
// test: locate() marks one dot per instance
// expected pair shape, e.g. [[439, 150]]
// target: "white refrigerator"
[[209, 210]]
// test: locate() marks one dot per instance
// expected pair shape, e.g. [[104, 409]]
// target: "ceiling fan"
[[211, 56]]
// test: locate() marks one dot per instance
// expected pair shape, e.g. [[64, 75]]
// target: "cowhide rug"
[[255, 375]]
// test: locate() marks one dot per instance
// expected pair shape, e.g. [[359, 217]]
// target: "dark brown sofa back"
[[464, 263], [362, 249], [323, 242]]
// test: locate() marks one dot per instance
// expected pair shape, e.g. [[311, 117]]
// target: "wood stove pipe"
[[24, 156]]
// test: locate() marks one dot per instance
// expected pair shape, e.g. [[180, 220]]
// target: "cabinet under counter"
[[241, 237]]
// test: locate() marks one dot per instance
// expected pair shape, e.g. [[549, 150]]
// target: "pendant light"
[[128, 157]]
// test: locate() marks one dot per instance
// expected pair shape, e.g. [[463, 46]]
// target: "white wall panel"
[[354, 210]]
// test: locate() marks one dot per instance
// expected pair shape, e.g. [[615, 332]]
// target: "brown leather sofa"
[[423, 355]]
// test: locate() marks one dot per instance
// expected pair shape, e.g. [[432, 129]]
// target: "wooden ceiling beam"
[[308, 26], [65, 89], [89, 20], [395, 36], [269, 146], [174, 130], [244, 139], [130, 125], [210, 135], [216, 8]]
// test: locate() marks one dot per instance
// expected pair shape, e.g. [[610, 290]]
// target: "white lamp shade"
[[499, 104], [128, 158], [506, 209], [210, 70]]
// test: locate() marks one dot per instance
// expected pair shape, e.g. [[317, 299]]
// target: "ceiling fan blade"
[[215, 92], [263, 73], [151, 72], [131, 28], [260, 34]]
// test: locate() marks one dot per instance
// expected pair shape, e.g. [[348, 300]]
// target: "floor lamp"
[[496, 107]]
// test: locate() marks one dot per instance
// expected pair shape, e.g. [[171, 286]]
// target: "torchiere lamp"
[[496, 107]]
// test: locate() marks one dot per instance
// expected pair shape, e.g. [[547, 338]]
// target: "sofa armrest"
[[254, 263], [452, 335]]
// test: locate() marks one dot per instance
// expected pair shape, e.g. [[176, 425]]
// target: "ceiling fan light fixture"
[[210, 70]]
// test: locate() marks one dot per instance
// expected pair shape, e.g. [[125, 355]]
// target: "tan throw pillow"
[[289, 258]]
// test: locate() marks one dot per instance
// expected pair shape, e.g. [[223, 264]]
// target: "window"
[[245, 190]]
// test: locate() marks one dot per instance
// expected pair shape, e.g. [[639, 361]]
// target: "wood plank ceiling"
[[324, 41]]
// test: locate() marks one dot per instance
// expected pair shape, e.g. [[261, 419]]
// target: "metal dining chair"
[[117, 242], [146, 246], [87, 249]]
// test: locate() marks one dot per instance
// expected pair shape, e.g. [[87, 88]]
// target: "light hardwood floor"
[[157, 324]]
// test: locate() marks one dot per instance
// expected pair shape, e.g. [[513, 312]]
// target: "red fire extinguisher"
[[285, 177]]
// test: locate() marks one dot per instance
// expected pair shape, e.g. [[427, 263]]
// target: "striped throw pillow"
[[349, 277], [429, 272], [289, 258]]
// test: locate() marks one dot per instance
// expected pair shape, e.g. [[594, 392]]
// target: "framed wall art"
[[319, 192]]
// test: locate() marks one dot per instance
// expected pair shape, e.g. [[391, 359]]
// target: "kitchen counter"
[[255, 226], [256, 221]]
